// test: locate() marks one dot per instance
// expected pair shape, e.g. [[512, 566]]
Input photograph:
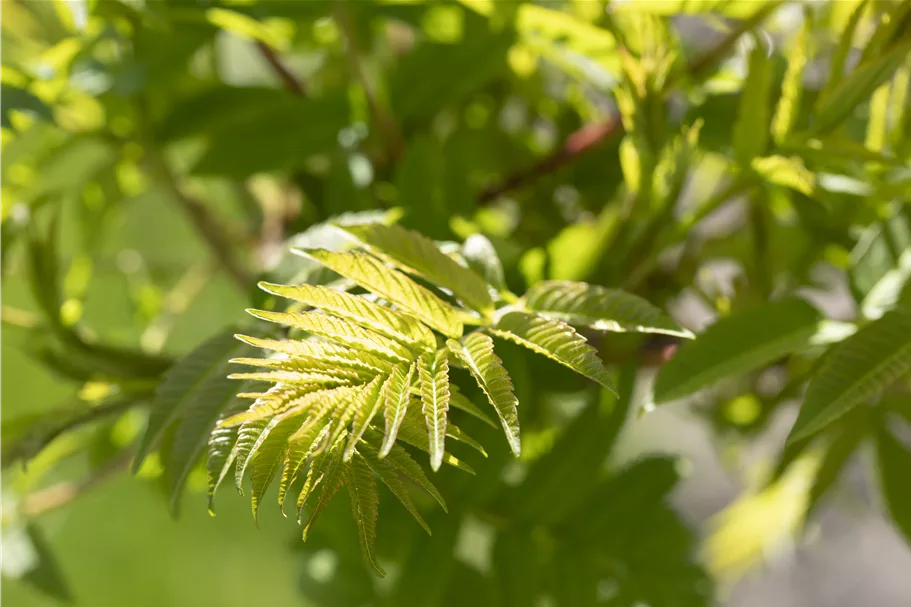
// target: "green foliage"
[[463, 217], [740, 343], [856, 370]]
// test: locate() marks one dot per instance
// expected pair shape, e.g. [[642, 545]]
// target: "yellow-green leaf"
[[397, 396], [415, 253], [554, 339], [383, 320], [476, 351], [368, 405], [855, 371], [342, 331], [433, 371], [390, 284], [364, 504], [579, 303]]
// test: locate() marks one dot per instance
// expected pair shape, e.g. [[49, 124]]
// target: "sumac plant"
[[363, 367], [567, 303]]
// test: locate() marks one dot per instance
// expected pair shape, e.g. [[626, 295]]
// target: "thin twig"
[[17, 317], [289, 80], [384, 120], [206, 225], [578, 143], [53, 497], [593, 135]]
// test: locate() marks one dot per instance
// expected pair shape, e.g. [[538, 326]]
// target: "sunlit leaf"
[[555, 340], [476, 351], [433, 371], [381, 319], [413, 252], [392, 285], [855, 371], [580, 303], [739, 343]]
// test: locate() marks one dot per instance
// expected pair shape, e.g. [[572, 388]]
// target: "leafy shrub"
[[448, 218]]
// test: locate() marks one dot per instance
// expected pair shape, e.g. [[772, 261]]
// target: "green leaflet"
[[277, 400], [894, 462], [739, 343], [268, 455], [392, 285], [433, 371], [404, 464], [197, 378], [858, 86], [459, 401], [322, 463], [855, 371], [840, 55], [368, 405], [579, 303], [751, 131], [311, 436], [555, 340], [342, 331], [480, 255], [476, 351], [390, 477], [415, 420], [416, 435], [364, 504], [220, 451], [414, 252], [838, 452], [792, 86], [300, 366], [247, 435], [303, 378], [311, 351], [397, 395], [332, 478], [381, 319]]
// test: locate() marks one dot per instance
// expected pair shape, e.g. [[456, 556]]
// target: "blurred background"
[[171, 149]]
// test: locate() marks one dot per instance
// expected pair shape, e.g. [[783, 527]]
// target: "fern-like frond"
[[368, 405], [476, 351], [364, 506], [333, 474], [277, 400], [413, 432], [219, 459], [303, 378], [459, 401], [392, 285], [415, 253], [397, 396], [390, 477], [580, 303], [247, 435], [311, 436], [298, 365], [269, 454], [385, 321], [856, 370], [554, 339], [318, 353], [433, 371], [342, 331], [399, 458]]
